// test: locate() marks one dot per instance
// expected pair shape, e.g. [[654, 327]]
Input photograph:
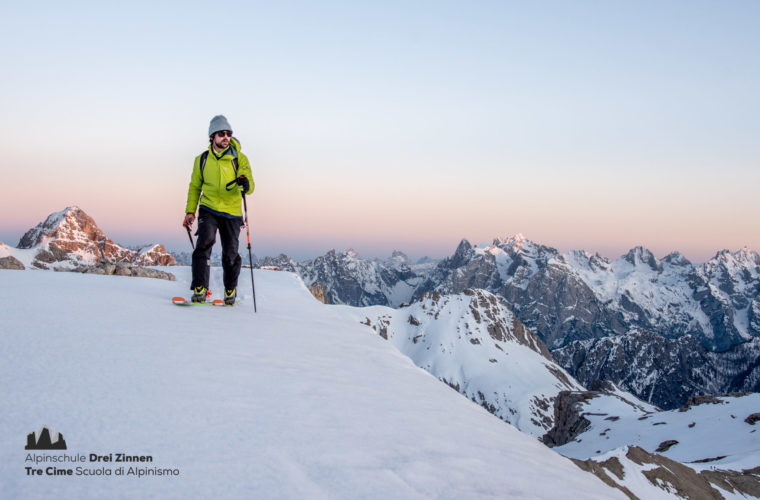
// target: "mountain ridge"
[[579, 296]]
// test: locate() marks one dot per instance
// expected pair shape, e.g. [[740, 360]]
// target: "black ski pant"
[[229, 231]]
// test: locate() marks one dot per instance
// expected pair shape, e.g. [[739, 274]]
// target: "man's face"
[[222, 139]]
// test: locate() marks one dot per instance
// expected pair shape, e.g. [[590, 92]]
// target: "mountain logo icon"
[[44, 442]]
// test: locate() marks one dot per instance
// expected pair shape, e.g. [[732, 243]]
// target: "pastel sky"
[[395, 124]]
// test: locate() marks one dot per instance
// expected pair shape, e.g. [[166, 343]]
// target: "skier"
[[219, 176]]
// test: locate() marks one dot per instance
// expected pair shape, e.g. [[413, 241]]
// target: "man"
[[217, 183]]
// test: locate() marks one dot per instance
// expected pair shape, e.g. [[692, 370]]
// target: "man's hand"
[[244, 183], [189, 219]]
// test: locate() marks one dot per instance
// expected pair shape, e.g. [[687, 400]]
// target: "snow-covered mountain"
[[663, 371], [717, 302], [350, 279], [567, 298], [579, 296], [301, 399], [475, 344], [551, 300], [71, 238], [295, 401]]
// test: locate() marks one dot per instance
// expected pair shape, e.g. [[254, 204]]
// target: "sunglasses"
[[223, 133]]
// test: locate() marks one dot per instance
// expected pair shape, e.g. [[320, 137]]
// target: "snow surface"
[[294, 401], [26, 256], [454, 345], [704, 431]]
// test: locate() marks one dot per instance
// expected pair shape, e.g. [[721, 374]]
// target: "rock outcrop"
[[122, 269], [319, 291], [569, 421], [11, 262], [671, 476]]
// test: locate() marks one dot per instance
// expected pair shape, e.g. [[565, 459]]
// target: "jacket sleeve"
[[194, 190], [245, 169]]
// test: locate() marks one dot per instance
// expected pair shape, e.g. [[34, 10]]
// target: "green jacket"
[[216, 174]]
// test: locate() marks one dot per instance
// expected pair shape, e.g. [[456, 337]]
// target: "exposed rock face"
[[664, 372], [319, 291], [11, 262], [666, 445], [569, 421], [671, 476], [475, 344], [72, 237]]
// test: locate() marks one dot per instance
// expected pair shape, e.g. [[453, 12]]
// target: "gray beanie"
[[218, 123]]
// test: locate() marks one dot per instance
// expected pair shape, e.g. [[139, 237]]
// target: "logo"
[[43, 442]]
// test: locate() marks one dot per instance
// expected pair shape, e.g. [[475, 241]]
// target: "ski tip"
[[218, 303], [180, 301]]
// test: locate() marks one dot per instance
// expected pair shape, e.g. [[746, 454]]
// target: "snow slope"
[[474, 343], [295, 401], [697, 434]]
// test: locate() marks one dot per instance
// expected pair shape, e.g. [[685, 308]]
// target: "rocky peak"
[[746, 254], [71, 237], [744, 258], [640, 255], [398, 258], [598, 262], [583, 258], [462, 255], [516, 241], [72, 224], [677, 259]]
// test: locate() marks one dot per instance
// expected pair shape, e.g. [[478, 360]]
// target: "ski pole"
[[250, 257]]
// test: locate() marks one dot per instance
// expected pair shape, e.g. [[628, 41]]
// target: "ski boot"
[[230, 296], [199, 294]]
